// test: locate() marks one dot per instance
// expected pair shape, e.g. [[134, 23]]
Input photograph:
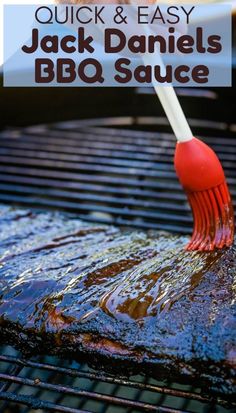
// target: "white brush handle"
[[169, 101], [174, 112]]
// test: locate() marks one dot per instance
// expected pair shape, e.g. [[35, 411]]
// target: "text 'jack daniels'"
[[137, 44]]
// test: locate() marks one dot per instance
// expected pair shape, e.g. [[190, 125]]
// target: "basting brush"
[[200, 173], [202, 177]]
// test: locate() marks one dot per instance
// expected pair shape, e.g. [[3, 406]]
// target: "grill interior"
[[49, 384], [106, 170], [115, 170]]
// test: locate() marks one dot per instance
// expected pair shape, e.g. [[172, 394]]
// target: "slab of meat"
[[125, 301]]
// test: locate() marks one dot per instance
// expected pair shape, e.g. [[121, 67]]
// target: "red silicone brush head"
[[202, 176]]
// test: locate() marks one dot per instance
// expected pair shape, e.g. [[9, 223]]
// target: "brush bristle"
[[213, 219]]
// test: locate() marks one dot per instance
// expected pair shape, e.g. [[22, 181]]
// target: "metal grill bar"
[[77, 392], [68, 153], [16, 180], [35, 159], [45, 405], [14, 371], [97, 145], [138, 120], [86, 178], [35, 151], [74, 207], [107, 379], [63, 194], [22, 164], [34, 401], [135, 153]]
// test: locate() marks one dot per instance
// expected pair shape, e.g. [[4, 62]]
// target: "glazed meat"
[[126, 301]]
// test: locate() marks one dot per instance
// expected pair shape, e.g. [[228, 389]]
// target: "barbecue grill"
[[116, 170]]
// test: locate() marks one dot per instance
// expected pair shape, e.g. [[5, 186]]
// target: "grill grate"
[[106, 170], [73, 388]]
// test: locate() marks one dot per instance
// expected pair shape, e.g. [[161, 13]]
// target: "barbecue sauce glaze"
[[61, 271], [135, 301]]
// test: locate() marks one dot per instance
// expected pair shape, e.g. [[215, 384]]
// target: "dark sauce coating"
[[125, 301]]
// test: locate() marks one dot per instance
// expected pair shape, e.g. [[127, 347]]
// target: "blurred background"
[[27, 106]]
